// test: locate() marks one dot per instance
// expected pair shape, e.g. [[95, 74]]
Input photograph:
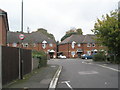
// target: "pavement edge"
[[54, 81]]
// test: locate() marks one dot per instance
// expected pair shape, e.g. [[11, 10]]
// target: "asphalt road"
[[79, 73]]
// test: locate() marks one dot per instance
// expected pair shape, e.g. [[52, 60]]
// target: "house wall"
[[64, 48], [67, 49], [38, 47], [3, 31]]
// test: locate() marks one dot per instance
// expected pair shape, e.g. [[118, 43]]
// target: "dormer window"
[[73, 44], [44, 44]]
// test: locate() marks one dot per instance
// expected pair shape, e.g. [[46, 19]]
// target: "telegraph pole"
[[21, 51], [22, 17]]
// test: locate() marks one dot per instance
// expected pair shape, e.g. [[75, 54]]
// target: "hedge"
[[41, 55], [99, 57]]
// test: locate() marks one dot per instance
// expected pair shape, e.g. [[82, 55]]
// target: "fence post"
[[0, 67], [19, 64]]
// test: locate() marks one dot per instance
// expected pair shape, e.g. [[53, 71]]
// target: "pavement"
[[43, 78]]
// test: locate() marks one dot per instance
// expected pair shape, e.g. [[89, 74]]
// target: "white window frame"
[[14, 44], [88, 45], [43, 45], [25, 44], [89, 52], [73, 44], [51, 45], [93, 44], [73, 53], [34, 44], [8, 44], [79, 45]]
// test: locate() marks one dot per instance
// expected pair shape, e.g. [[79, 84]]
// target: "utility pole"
[[22, 17], [21, 50]]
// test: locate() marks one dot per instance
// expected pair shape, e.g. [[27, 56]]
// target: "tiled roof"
[[80, 39], [35, 37], [89, 39]]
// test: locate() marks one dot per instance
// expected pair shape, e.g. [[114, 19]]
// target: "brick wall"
[[66, 49], [38, 47], [3, 30]]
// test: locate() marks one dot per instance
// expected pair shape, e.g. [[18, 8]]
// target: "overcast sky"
[[57, 16]]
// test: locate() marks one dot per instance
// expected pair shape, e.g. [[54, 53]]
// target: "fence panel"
[[10, 64], [27, 61]]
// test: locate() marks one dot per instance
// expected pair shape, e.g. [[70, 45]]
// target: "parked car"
[[86, 56], [62, 57]]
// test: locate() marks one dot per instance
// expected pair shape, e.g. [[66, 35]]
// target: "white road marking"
[[53, 66], [108, 68], [54, 81], [67, 83], [105, 83], [86, 62], [83, 62], [87, 72]]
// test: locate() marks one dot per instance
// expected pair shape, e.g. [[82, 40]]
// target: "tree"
[[79, 31], [72, 32], [108, 32], [44, 31]]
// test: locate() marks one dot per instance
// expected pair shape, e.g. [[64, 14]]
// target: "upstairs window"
[[73, 44], [34, 45], [8, 44], [79, 45], [51, 45], [14, 44], [25, 44], [88, 45], [44, 44], [93, 44]]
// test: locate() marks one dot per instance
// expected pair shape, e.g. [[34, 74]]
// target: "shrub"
[[41, 55], [99, 57]]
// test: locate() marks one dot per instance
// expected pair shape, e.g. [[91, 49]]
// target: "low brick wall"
[[35, 62]]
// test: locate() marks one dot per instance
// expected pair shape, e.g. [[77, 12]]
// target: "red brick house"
[[34, 41], [75, 45], [4, 27]]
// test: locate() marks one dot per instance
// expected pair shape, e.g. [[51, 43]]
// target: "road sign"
[[21, 36]]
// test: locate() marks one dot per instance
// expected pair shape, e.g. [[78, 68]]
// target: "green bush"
[[116, 61], [41, 55], [99, 57]]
